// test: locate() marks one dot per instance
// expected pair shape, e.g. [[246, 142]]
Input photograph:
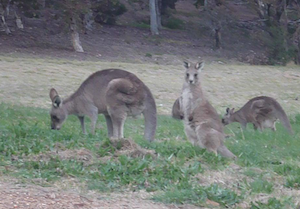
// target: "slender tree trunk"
[[268, 9], [75, 36], [158, 6], [261, 9], [285, 32], [205, 4], [153, 18], [8, 7], [18, 18], [218, 37], [88, 21], [279, 10], [3, 21]]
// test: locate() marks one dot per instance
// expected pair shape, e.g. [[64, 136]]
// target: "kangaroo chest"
[[187, 102]]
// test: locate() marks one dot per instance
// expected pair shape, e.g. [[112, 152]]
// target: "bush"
[[174, 23], [278, 55], [106, 13]]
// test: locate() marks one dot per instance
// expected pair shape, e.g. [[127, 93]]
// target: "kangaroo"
[[177, 112], [262, 112], [113, 92], [202, 124]]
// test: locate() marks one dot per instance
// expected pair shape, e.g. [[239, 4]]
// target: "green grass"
[[272, 203], [28, 147], [259, 185]]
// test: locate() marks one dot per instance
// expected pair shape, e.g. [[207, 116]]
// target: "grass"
[[30, 151]]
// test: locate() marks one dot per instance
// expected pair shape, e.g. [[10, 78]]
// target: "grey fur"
[[261, 111], [177, 112], [202, 124], [113, 92]]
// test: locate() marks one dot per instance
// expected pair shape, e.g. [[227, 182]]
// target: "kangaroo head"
[[192, 72], [227, 117], [58, 113]]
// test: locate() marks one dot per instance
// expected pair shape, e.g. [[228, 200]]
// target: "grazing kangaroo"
[[261, 111], [112, 92], [202, 124]]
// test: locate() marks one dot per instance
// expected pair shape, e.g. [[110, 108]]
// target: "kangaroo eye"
[[196, 75], [187, 75]]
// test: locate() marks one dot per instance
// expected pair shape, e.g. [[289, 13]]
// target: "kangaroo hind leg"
[[118, 119]]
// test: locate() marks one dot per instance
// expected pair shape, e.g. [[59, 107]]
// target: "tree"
[[153, 17], [71, 11], [4, 5], [158, 10]]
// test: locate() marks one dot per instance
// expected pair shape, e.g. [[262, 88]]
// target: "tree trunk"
[[158, 6], [205, 4], [153, 18], [261, 9], [75, 36], [269, 9], [18, 18], [218, 37], [298, 54], [88, 21], [5, 26], [279, 10], [285, 32], [7, 7]]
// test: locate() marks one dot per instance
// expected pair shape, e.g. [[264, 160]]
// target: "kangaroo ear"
[[199, 66], [186, 64], [53, 93], [56, 100], [227, 110], [231, 111]]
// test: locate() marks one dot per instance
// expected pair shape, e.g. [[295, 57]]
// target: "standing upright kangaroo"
[[202, 124], [113, 92], [261, 111]]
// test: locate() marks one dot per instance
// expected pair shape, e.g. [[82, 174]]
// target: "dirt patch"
[[14, 195], [130, 148], [81, 155]]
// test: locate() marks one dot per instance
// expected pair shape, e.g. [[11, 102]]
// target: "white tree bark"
[[153, 17], [3, 21], [157, 7], [75, 36], [261, 9], [18, 18]]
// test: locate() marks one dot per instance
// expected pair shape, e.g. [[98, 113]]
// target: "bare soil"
[[16, 195]]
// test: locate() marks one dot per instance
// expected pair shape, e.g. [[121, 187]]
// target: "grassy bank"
[[267, 165]]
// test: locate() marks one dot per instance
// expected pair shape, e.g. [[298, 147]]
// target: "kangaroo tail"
[[149, 116], [281, 115], [225, 152]]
